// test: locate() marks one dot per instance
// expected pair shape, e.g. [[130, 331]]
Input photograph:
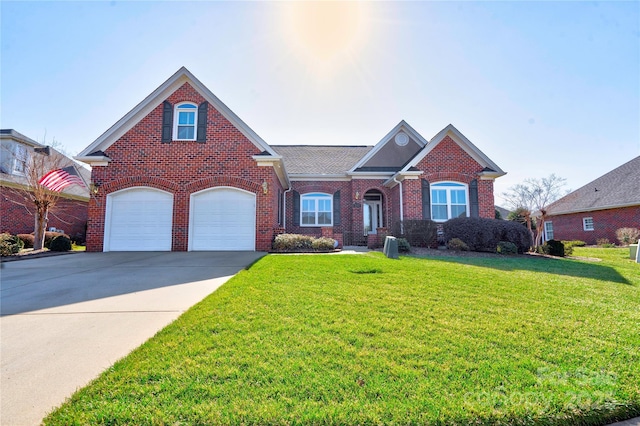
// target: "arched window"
[[316, 209], [185, 122], [449, 200]]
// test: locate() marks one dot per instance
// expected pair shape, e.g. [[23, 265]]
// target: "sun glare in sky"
[[325, 33]]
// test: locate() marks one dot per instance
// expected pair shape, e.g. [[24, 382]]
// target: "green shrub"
[[604, 242], [298, 242], [457, 244], [60, 243], [292, 242], [482, 234], [628, 236], [27, 240], [417, 232], [554, 248], [10, 244], [49, 236], [569, 245], [506, 247], [403, 245], [323, 243]]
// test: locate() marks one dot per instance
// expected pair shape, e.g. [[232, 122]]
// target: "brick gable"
[[139, 158]]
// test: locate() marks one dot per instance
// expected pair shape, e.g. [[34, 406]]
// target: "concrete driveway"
[[67, 318]]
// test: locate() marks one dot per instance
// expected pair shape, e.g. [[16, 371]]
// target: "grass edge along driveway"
[[369, 340]]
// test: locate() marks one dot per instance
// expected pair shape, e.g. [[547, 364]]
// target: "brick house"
[[182, 172], [70, 212], [599, 208]]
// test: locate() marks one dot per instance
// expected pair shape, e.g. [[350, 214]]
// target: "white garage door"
[[222, 218], [138, 219]]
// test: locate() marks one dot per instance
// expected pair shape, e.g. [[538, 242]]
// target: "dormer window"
[[186, 120]]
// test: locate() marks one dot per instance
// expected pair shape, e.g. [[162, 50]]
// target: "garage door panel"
[[222, 219], [139, 219]]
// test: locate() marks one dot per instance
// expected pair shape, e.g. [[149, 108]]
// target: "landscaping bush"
[[482, 234], [60, 243], [49, 236], [604, 243], [457, 244], [403, 245], [569, 245], [27, 240], [323, 243], [298, 242], [10, 244], [553, 248], [506, 247], [417, 232], [292, 242], [628, 236]]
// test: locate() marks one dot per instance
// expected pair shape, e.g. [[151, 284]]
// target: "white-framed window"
[[185, 121], [19, 159], [449, 200], [316, 209], [587, 223], [548, 231]]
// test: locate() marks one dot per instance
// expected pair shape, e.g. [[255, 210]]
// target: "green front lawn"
[[361, 339]]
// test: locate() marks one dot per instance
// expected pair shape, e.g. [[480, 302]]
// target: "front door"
[[372, 216]]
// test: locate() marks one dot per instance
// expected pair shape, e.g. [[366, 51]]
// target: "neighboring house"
[[182, 172], [599, 208], [70, 212]]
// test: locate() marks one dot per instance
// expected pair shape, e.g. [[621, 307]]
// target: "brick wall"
[[139, 158], [17, 216], [605, 224]]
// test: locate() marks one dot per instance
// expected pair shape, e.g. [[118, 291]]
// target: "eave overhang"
[[277, 163], [402, 176]]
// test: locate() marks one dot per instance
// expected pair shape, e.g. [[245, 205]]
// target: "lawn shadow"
[[558, 266]]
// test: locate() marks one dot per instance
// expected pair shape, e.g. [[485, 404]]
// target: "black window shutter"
[[296, 208], [336, 208], [473, 198], [167, 122], [426, 200], [202, 122]]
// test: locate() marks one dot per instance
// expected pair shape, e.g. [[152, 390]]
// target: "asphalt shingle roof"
[[320, 159], [619, 187]]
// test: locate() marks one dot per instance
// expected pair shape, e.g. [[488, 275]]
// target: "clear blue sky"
[[540, 87]]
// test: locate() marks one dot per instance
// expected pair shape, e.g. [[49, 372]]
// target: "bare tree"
[[533, 196], [34, 163]]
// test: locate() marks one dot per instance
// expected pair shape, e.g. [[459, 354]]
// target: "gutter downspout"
[[399, 182], [284, 208]]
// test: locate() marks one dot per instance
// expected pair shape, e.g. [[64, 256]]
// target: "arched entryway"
[[372, 211]]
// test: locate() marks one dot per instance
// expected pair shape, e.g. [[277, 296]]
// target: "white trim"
[[448, 189], [176, 119], [402, 176], [463, 142], [277, 163], [193, 194], [106, 243], [94, 160], [584, 224], [401, 126], [156, 97], [323, 196]]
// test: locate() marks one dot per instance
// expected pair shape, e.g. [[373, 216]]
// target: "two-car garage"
[[141, 219]]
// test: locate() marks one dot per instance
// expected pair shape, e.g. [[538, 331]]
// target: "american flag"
[[57, 180]]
